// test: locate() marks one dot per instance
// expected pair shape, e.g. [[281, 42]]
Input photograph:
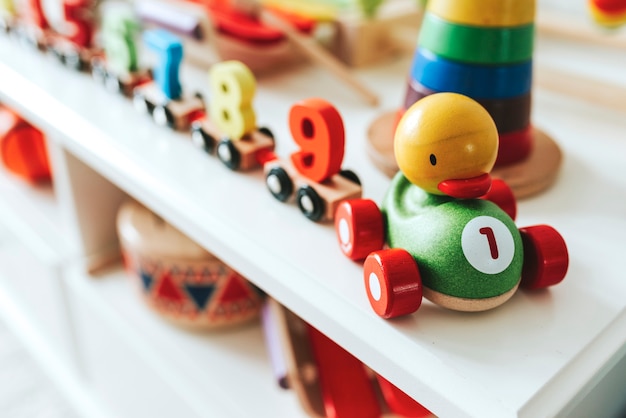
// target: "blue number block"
[[169, 50]]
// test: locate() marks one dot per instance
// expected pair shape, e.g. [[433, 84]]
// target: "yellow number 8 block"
[[485, 13], [232, 88]]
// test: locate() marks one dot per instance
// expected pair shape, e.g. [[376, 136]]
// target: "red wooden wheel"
[[393, 282], [359, 228], [545, 257]]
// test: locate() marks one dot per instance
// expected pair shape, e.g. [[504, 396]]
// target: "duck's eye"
[[433, 159]]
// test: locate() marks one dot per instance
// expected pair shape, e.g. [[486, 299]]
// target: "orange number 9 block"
[[316, 126], [314, 175]]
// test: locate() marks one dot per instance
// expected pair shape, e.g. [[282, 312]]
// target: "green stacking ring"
[[474, 44]]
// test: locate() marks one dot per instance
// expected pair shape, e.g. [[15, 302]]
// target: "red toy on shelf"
[[220, 26], [73, 44], [23, 148], [244, 37], [28, 23], [317, 369], [450, 230], [314, 172], [609, 13]]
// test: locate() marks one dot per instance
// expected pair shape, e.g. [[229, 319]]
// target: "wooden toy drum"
[[179, 279]]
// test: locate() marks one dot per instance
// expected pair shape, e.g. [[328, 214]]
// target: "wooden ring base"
[[528, 177]]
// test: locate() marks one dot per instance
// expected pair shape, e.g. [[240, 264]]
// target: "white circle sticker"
[[487, 244], [374, 285]]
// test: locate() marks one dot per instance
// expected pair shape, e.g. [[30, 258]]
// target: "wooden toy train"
[[442, 182], [446, 231]]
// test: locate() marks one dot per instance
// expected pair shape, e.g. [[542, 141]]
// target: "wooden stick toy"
[[317, 369]]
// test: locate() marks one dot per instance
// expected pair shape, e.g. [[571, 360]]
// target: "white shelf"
[[145, 366], [32, 214], [33, 304], [536, 355]]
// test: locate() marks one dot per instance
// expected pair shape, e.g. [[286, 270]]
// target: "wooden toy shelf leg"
[[527, 177], [91, 204]]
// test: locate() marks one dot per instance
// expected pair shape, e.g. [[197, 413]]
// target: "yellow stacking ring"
[[488, 13]]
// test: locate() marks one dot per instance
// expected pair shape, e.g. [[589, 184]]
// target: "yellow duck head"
[[447, 144]]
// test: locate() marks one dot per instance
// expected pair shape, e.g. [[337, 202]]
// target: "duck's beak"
[[471, 188]]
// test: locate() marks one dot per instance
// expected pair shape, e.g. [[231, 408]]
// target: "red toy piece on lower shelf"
[[400, 403], [23, 148]]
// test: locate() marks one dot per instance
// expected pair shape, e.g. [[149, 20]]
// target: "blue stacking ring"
[[476, 81]]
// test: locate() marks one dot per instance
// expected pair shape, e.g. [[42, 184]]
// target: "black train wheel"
[[279, 183], [310, 203]]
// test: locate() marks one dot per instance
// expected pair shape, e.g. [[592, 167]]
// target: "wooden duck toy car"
[[449, 228]]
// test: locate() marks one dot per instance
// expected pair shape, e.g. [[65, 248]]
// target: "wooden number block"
[[169, 51], [118, 70], [314, 172], [232, 90], [317, 128]]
